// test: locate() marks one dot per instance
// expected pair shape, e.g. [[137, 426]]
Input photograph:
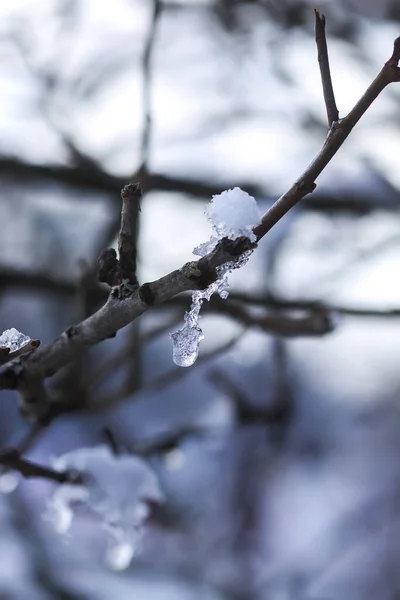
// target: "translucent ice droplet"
[[185, 345]]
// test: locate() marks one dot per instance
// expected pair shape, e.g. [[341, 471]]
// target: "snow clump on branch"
[[13, 339]]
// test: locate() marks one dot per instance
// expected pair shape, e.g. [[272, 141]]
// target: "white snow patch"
[[116, 488], [13, 339]]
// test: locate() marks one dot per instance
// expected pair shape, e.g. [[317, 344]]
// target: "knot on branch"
[[200, 276], [108, 267], [395, 58], [204, 272], [306, 187], [72, 331], [124, 290], [146, 294]]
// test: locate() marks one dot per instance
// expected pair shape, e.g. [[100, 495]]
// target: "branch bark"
[[338, 133]]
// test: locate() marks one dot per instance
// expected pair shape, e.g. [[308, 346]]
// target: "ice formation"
[[13, 339], [116, 488], [233, 214]]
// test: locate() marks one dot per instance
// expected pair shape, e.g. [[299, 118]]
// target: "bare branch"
[[98, 180], [277, 303], [305, 184], [12, 460], [323, 59], [131, 195], [148, 50], [110, 269], [316, 323]]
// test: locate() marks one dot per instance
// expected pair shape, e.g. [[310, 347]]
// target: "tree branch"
[[323, 60], [112, 270], [12, 460], [99, 181], [316, 322], [338, 133], [147, 54]]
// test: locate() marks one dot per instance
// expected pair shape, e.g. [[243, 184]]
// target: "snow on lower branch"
[[13, 339], [233, 214], [117, 488]]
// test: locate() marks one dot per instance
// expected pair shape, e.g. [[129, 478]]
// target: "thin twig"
[[12, 460], [80, 178], [131, 195], [316, 323], [305, 184], [134, 375], [111, 441], [278, 303], [110, 269], [147, 55], [166, 441], [323, 60]]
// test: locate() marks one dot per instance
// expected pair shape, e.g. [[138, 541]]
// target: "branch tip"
[[396, 50], [319, 17], [131, 190], [323, 60]]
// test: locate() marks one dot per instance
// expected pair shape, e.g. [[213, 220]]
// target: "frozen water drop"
[[185, 345]]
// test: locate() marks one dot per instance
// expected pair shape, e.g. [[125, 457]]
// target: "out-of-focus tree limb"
[[98, 180], [12, 459]]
